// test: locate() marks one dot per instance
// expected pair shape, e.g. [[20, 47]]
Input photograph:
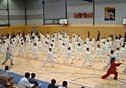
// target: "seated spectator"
[[64, 84], [33, 81], [24, 82], [52, 85], [5, 79]]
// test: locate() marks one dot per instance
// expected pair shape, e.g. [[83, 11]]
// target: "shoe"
[[12, 64], [71, 62], [102, 77], [115, 78], [90, 65]]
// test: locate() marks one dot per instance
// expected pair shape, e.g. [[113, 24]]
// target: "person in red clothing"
[[112, 69]]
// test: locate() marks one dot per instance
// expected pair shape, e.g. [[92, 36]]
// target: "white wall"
[[35, 17], [3, 13], [99, 13], [53, 10], [57, 10], [16, 9], [79, 9], [17, 13], [34, 12], [120, 13]]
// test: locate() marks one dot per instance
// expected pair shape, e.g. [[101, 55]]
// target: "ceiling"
[[81, 2], [97, 1], [109, 1]]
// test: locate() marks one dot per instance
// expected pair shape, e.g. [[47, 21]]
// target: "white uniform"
[[68, 55], [78, 52], [4, 48], [62, 51], [99, 53], [117, 43], [11, 47], [30, 47], [122, 53], [8, 56], [39, 45], [0, 48], [117, 54], [21, 50], [50, 57], [35, 52], [87, 58]]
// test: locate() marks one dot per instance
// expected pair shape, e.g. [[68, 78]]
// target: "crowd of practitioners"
[[60, 45]]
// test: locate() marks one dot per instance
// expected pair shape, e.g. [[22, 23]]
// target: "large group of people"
[[60, 45]]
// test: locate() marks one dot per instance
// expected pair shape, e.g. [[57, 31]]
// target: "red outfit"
[[112, 70]]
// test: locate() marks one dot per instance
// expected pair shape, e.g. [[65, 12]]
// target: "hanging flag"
[[88, 0]]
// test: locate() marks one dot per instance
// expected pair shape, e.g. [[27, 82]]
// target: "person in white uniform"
[[87, 58], [68, 55], [8, 56], [21, 49], [35, 51], [50, 57]]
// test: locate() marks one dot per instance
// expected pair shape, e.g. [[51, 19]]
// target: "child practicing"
[[35, 51], [21, 50], [8, 56], [50, 57], [99, 53], [112, 69], [68, 55], [87, 58]]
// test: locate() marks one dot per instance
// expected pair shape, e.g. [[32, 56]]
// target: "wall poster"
[[109, 14]]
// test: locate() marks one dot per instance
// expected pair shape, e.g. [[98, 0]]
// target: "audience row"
[[6, 81]]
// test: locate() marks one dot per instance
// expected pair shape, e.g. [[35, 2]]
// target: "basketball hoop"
[[63, 22]]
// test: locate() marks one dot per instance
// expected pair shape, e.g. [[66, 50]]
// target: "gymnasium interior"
[[87, 20]]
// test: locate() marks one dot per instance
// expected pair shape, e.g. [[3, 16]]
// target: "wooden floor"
[[76, 75]]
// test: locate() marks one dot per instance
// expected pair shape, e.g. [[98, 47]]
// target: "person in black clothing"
[[33, 81], [98, 37], [52, 85]]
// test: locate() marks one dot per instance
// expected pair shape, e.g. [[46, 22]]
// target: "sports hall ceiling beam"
[[93, 12], [43, 6], [8, 10], [25, 9]]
